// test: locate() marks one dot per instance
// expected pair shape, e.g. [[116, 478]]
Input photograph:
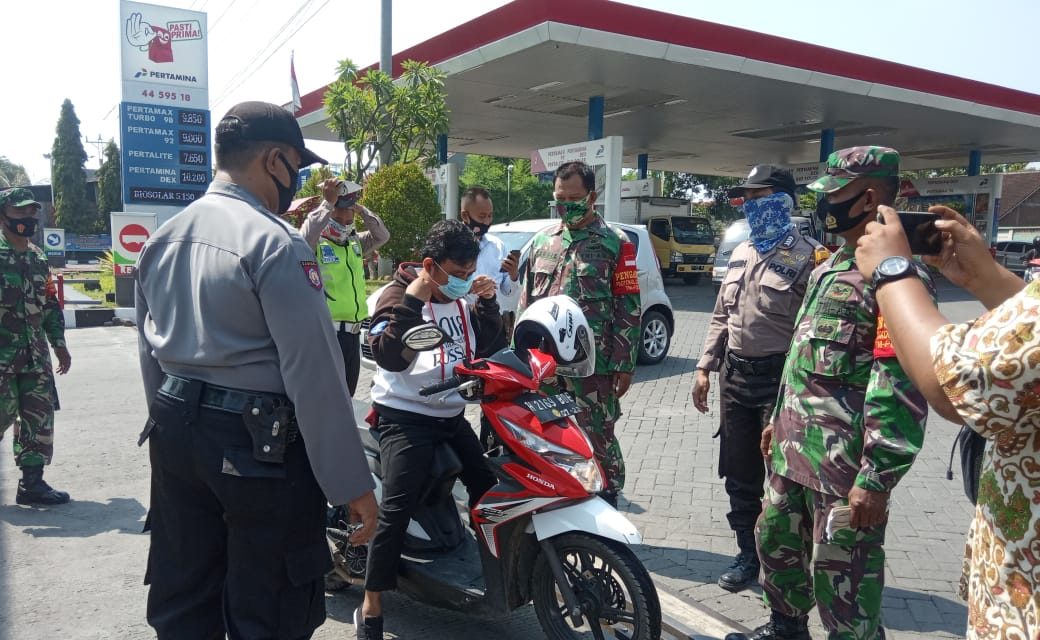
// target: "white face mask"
[[337, 233]]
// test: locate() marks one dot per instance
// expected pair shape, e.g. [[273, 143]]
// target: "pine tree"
[[73, 211], [110, 193]]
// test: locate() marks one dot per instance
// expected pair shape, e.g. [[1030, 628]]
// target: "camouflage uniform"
[[847, 415], [595, 266], [29, 317]]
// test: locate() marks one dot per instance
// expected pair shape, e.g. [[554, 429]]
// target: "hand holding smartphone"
[[919, 227], [515, 256]]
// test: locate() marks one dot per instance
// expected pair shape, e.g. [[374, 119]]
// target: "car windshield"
[[692, 231], [736, 233], [514, 240]]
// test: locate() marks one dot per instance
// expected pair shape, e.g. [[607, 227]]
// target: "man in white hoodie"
[[409, 426]]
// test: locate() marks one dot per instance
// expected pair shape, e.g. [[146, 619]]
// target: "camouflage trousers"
[[27, 401], [843, 574], [600, 411]]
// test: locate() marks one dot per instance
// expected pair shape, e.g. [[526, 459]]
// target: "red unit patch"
[[882, 343], [626, 274]]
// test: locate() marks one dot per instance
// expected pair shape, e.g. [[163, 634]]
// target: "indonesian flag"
[[297, 104]]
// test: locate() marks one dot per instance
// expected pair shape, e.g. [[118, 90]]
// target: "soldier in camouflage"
[[847, 426], [29, 318], [587, 260]]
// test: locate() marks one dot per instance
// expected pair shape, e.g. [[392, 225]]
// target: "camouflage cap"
[[845, 165], [18, 197]]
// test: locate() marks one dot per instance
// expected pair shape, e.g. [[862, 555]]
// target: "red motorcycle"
[[541, 534]]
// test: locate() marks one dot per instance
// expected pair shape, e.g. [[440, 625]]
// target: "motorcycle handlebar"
[[437, 387]]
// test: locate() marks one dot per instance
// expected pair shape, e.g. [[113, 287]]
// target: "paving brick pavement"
[[75, 571]]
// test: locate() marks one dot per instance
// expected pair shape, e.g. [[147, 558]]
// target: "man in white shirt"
[[494, 261]]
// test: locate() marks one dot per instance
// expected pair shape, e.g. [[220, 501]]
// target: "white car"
[[658, 322]]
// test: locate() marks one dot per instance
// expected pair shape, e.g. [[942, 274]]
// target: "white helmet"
[[557, 326]]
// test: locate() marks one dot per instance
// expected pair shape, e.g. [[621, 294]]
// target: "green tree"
[[12, 175], [963, 171], [371, 112], [73, 211], [312, 185], [109, 187], [405, 200], [714, 189], [519, 196]]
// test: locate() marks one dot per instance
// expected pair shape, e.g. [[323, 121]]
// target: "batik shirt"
[[990, 370]]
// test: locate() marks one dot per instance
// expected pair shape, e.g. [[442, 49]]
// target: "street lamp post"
[[509, 188]]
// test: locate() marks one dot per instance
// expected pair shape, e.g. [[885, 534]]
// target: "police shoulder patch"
[[310, 269]]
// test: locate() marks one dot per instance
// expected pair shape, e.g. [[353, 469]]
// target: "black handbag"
[[972, 446]]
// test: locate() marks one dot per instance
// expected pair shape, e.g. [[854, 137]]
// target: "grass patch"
[[105, 278]]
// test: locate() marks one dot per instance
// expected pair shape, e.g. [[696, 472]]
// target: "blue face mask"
[[769, 219], [457, 287]]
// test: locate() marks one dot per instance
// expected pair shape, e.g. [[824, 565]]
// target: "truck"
[[684, 243]]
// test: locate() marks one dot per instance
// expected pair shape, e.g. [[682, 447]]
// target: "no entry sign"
[[129, 233]]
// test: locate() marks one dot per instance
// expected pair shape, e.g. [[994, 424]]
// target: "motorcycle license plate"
[[550, 408]]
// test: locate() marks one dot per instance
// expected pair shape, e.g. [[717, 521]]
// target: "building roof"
[[1018, 187], [698, 96]]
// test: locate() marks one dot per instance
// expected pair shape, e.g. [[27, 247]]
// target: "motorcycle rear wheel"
[[613, 589]]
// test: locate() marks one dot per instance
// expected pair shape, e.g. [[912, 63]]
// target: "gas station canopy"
[[696, 96]]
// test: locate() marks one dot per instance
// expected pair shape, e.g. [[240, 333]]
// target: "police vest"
[[343, 272]]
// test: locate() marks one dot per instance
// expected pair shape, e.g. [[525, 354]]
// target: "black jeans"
[[747, 404], [350, 347], [406, 444], [237, 546]]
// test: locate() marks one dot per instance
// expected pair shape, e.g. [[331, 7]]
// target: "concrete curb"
[[686, 619], [97, 317]]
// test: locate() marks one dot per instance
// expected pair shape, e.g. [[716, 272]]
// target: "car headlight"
[[676, 256], [582, 469]]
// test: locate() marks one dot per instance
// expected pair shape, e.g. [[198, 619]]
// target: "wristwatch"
[[893, 268]]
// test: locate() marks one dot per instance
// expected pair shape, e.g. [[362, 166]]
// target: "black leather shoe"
[[742, 573]]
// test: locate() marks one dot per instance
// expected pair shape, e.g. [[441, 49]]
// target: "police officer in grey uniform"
[[746, 343], [250, 427]]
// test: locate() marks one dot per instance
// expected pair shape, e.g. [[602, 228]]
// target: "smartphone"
[[919, 227], [515, 253]]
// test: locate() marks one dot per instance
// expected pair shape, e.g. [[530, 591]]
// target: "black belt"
[[222, 398], [756, 366]]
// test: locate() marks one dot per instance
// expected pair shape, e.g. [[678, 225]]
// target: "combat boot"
[[779, 627], [744, 569], [33, 489]]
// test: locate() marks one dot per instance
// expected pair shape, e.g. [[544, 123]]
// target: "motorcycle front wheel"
[[614, 591]]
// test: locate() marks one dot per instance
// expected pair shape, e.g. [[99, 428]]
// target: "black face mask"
[[835, 215], [24, 227], [478, 228], [285, 193]]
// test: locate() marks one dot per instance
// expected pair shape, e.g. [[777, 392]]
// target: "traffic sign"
[[54, 241], [133, 237], [129, 233]]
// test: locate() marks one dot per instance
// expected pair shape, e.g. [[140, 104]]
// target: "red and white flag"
[[297, 104]]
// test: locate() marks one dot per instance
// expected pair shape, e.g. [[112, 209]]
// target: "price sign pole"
[[164, 126]]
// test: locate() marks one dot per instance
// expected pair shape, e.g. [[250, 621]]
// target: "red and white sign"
[[133, 237], [129, 232]]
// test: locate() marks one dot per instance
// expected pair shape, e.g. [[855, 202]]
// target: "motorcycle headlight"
[[582, 469]]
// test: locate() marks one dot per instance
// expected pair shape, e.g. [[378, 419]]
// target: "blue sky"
[[70, 48]]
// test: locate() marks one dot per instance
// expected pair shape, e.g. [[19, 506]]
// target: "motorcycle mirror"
[[424, 337]]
